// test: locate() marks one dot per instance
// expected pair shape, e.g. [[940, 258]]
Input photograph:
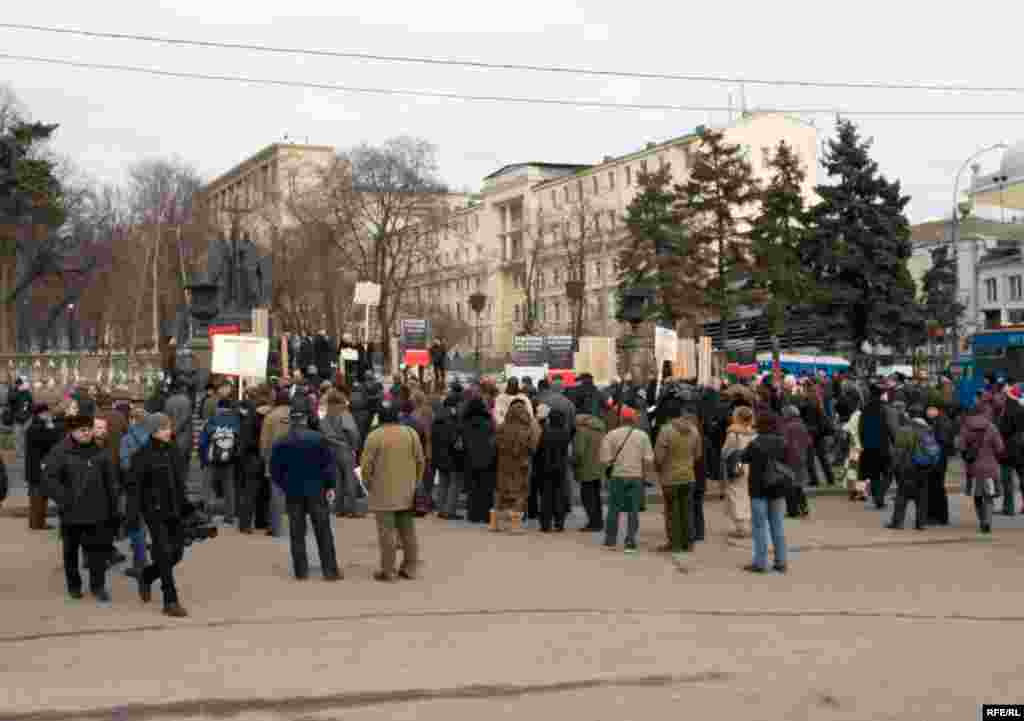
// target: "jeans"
[[315, 507], [448, 485], [402, 523], [1009, 495], [137, 537], [767, 516], [623, 497], [168, 550]]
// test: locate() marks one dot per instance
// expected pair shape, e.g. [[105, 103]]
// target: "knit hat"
[[151, 423]]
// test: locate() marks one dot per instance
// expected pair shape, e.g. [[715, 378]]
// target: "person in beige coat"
[[737, 501], [392, 463]]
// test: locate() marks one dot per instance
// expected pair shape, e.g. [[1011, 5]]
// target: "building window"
[[1015, 287], [661, 162], [611, 180], [516, 310], [629, 176], [643, 166], [558, 311], [458, 311], [597, 189], [991, 290], [554, 199], [557, 274], [565, 190], [597, 269]]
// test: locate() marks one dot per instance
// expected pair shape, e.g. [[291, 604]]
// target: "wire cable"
[[593, 72], [598, 104]]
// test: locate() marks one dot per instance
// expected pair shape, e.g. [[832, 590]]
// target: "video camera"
[[197, 526]]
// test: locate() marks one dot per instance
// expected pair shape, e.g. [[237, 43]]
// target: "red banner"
[[414, 358], [233, 329]]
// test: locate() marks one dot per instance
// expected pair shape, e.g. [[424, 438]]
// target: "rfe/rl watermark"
[[1002, 711]]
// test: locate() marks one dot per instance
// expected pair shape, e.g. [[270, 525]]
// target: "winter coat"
[[586, 447], [179, 408], [589, 400], [676, 451], [873, 429], [82, 481], [636, 451], [275, 427], [302, 464], [341, 427], [478, 438], [392, 464], [552, 457], [556, 401], [40, 439], [155, 485], [981, 434], [813, 418], [223, 428], [798, 439], [765, 447], [504, 401], [362, 412], [443, 436], [515, 442], [737, 438]]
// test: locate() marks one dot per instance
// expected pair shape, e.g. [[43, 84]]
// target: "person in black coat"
[[766, 456], [43, 433], [448, 457], [551, 465], [480, 460], [814, 417], [155, 489], [945, 434], [79, 476]]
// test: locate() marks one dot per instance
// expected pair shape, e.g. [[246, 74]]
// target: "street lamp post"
[[477, 302], [955, 233]]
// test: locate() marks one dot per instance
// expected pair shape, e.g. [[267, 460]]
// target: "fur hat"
[[74, 423]]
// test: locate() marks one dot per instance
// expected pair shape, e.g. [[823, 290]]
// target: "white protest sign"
[[241, 355], [367, 294]]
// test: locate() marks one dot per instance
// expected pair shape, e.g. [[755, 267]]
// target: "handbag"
[[608, 469]]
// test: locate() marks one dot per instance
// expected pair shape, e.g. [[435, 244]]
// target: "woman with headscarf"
[[516, 440]]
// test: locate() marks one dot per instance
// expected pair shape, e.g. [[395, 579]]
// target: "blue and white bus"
[[802, 365]]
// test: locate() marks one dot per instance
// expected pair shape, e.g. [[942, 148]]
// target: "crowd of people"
[[307, 447]]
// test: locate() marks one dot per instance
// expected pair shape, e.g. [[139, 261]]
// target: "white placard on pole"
[[367, 294], [241, 355]]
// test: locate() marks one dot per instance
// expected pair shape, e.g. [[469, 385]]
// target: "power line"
[[500, 98], [593, 72]]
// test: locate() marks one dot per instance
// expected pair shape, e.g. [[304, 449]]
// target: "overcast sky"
[[112, 119]]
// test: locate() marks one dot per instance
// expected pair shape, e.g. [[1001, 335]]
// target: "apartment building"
[[251, 192], [535, 221]]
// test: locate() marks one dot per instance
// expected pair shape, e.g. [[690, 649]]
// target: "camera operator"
[[156, 492]]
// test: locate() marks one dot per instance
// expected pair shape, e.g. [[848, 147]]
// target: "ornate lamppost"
[[478, 301]]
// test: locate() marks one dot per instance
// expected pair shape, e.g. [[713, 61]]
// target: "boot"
[[493, 523], [175, 610], [135, 570]]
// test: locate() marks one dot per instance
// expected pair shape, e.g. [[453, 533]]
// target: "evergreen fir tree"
[[656, 240], [712, 207], [777, 233], [859, 247], [941, 305]]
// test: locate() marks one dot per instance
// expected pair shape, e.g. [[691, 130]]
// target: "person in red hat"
[[628, 457]]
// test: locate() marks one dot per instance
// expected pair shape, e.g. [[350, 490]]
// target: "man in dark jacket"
[[304, 467], [447, 455], [817, 424], [220, 446], [876, 444], [155, 489], [439, 359], [179, 408], [80, 477], [44, 432]]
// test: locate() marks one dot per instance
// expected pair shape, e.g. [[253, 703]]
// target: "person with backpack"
[[628, 458], [981, 445], [220, 451], [769, 479], [921, 455]]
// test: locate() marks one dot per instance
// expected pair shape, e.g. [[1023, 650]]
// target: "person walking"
[[766, 456], [981, 445], [80, 478], [924, 458], [875, 435], [155, 490], [392, 464], [302, 465], [676, 451], [938, 501], [737, 499], [589, 471], [515, 442], [629, 457]]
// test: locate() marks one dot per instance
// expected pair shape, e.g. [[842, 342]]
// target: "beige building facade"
[[532, 221]]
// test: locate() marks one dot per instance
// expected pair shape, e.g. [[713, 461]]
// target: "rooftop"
[[265, 154]]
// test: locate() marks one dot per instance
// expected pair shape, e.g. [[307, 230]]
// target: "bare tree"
[[583, 229], [384, 208]]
